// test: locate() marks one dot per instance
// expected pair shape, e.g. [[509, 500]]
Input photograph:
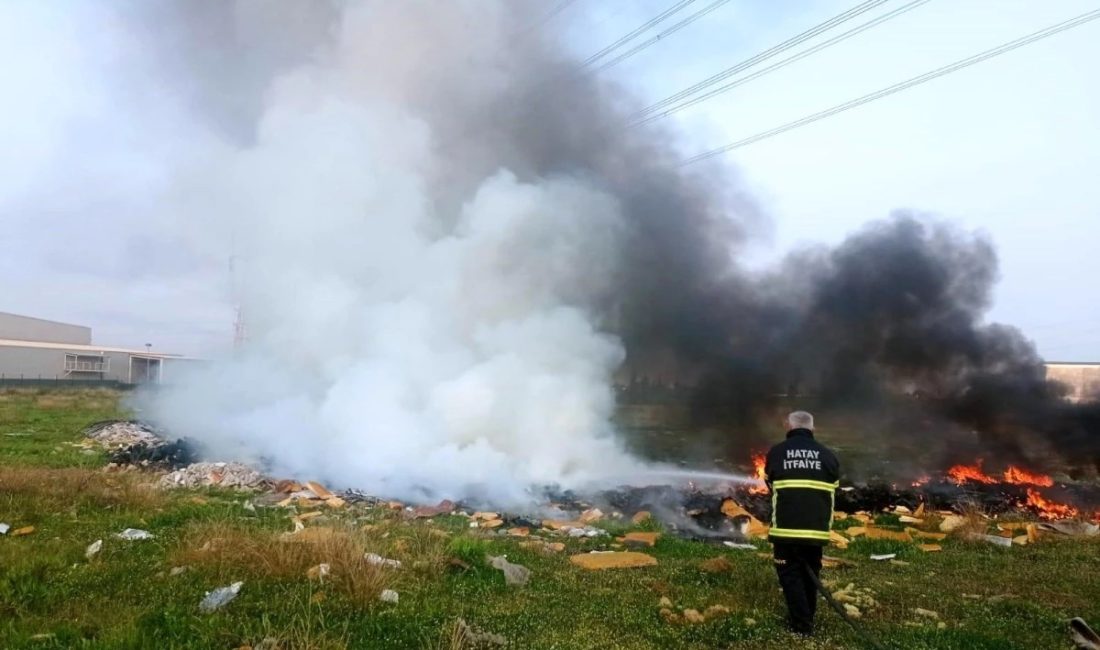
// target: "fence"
[[61, 382]]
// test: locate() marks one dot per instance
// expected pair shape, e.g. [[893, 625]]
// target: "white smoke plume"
[[419, 325]]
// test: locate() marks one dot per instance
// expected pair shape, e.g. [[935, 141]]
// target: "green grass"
[[124, 597]]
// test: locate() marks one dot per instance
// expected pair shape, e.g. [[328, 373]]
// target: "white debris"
[[177, 570], [996, 540], [585, 531], [744, 547], [93, 548], [378, 560], [884, 556], [135, 534], [220, 597], [514, 574], [4, 528], [388, 596], [122, 433], [229, 475], [1072, 528]]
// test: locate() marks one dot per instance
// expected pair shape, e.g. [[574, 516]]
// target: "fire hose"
[[839, 609]]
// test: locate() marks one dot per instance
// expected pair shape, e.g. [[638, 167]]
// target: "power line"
[[898, 87], [668, 32], [550, 15], [636, 32], [762, 56], [784, 63]]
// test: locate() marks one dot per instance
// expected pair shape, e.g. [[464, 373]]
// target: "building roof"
[[76, 347], [43, 320], [1071, 363]]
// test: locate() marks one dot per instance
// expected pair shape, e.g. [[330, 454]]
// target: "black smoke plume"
[[890, 322]]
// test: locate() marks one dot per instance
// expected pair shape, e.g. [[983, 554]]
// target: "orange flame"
[[758, 462], [1023, 477], [960, 474], [922, 481], [1049, 509]]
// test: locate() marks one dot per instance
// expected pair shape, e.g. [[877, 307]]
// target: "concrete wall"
[[25, 328], [1083, 379]]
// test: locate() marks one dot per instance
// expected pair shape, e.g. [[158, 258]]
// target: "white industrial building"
[[33, 349]]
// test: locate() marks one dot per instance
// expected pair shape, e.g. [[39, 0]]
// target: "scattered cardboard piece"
[[1032, 533], [319, 490], [930, 548], [731, 509], [335, 502], [642, 539], [492, 523], [902, 510], [856, 531], [613, 560], [287, 486], [951, 522], [1020, 540], [840, 541], [839, 516], [519, 532], [641, 516], [906, 519], [558, 524], [590, 516], [920, 534], [882, 533], [25, 530], [308, 515], [919, 512]]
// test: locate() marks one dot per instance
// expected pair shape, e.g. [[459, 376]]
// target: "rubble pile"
[[163, 455], [117, 434], [227, 475]]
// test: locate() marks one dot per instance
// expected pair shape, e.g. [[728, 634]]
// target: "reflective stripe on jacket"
[[803, 475]]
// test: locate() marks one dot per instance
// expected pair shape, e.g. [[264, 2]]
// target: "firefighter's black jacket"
[[803, 476]]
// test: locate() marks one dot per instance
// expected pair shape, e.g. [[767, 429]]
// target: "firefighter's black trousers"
[[791, 562]]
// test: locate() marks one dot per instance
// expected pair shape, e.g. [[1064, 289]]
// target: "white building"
[[33, 349]]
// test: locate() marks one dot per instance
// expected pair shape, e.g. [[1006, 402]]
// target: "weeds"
[[234, 550]]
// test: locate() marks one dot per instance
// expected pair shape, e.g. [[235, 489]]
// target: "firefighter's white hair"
[[801, 420]]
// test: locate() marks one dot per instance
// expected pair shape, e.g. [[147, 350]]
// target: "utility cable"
[[904, 85], [784, 63], [668, 32], [761, 56], [636, 32]]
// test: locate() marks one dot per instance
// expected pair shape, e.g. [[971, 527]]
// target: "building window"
[[86, 363]]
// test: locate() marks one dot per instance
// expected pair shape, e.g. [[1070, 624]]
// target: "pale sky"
[[1010, 147]]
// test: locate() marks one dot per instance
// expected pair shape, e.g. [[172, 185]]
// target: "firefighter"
[[802, 475]]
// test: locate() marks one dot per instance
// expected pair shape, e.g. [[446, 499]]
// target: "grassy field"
[[52, 596]]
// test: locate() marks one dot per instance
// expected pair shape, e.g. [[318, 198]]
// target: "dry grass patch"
[[53, 489], [975, 523], [235, 550]]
